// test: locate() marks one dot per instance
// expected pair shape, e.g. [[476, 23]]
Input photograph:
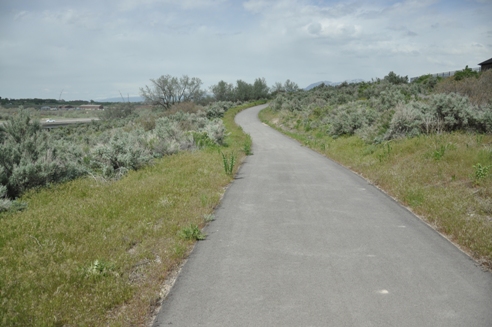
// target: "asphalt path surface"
[[300, 241]]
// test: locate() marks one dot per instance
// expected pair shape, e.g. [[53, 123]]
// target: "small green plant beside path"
[[192, 233], [228, 162]]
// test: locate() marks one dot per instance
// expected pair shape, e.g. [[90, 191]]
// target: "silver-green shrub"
[[407, 120], [439, 113], [123, 152], [184, 131], [29, 157], [347, 119], [217, 109], [452, 110], [215, 131], [387, 108], [276, 103], [482, 119]]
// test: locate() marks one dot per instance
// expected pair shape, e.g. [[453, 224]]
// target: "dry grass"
[[91, 253], [433, 175], [188, 107], [477, 89]]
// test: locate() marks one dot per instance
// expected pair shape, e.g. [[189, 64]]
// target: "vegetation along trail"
[[302, 241]]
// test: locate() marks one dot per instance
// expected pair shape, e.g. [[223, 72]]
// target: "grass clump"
[[192, 233], [481, 172], [247, 145], [208, 217], [228, 161]]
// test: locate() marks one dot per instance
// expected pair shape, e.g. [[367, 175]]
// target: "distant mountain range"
[[310, 86], [120, 99]]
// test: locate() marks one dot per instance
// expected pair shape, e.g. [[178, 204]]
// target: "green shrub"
[[393, 78], [480, 172], [192, 233], [428, 81], [465, 73]]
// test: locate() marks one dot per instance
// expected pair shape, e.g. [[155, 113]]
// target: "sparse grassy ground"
[[442, 178], [91, 253]]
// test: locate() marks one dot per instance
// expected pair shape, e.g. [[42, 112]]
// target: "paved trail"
[[301, 241]]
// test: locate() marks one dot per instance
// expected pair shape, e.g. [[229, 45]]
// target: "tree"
[[223, 91], [168, 90], [465, 73], [290, 86], [244, 91], [393, 78], [260, 89], [277, 88]]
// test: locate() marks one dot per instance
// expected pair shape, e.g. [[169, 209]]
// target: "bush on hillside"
[[123, 152], [217, 109], [465, 73], [393, 78], [391, 108], [347, 119], [30, 158], [440, 113], [428, 81]]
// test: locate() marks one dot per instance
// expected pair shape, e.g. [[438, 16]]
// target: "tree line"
[[167, 90], [37, 103]]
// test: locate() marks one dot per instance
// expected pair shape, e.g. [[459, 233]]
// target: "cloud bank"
[[94, 49]]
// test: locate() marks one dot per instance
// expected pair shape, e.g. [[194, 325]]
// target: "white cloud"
[[127, 5], [21, 15], [256, 6], [315, 28], [95, 49]]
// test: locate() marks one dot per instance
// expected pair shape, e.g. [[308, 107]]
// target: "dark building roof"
[[486, 62]]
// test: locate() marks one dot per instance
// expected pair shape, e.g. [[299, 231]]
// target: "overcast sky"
[[95, 49]]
